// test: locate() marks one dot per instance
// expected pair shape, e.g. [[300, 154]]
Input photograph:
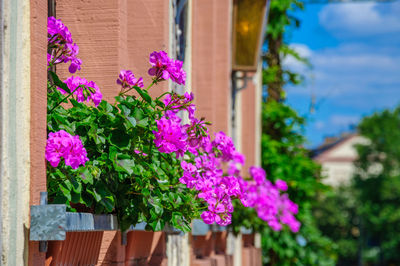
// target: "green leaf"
[[157, 225], [112, 154], [125, 110], [105, 107], [119, 138], [126, 165], [65, 191], [132, 121], [138, 113], [144, 122], [58, 82], [87, 176], [95, 195], [138, 170], [146, 192], [76, 186], [160, 103], [108, 203], [177, 219], [144, 94]]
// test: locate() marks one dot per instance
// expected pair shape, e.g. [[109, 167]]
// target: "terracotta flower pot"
[[79, 248], [250, 254], [112, 252], [105, 248], [203, 245], [220, 242], [146, 248], [210, 250], [204, 262], [220, 256]]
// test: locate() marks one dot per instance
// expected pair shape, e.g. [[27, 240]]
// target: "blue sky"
[[355, 52]]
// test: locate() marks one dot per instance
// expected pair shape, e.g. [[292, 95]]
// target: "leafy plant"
[[286, 159], [283, 154], [126, 174], [337, 217], [377, 186], [136, 158]]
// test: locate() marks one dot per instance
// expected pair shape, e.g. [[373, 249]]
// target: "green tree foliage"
[[364, 217], [377, 182], [280, 21], [286, 159], [337, 218], [283, 154]]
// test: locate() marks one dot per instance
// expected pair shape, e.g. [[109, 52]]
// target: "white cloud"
[[361, 19], [357, 72], [302, 49], [354, 75], [292, 63], [355, 60]]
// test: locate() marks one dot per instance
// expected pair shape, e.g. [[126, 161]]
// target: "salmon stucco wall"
[[251, 121], [211, 79], [211, 61], [38, 136], [115, 35]]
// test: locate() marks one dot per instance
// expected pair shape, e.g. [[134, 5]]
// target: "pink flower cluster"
[[164, 68], [62, 144], [63, 49], [175, 103], [225, 146], [126, 79], [83, 90], [205, 173], [266, 198], [215, 188], [170, 136], [197, 136]]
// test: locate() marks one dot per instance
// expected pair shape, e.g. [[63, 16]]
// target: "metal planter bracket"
[[51, 222], [48, 222], [87, 222], [138, 227], [217, 228], [199, 228], [170, 230], [246, 231]]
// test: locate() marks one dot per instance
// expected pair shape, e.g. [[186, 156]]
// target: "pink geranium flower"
[[61, 144]]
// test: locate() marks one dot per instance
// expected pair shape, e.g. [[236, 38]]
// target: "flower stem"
[[159, 97], [151, 84], [60, 102]]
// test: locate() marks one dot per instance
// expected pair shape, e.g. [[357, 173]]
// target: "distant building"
[[337, 156]]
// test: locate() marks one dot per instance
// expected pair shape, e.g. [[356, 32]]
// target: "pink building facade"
[[120, 34]]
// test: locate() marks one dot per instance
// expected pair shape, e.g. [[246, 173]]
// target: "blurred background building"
[[336, 156]]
